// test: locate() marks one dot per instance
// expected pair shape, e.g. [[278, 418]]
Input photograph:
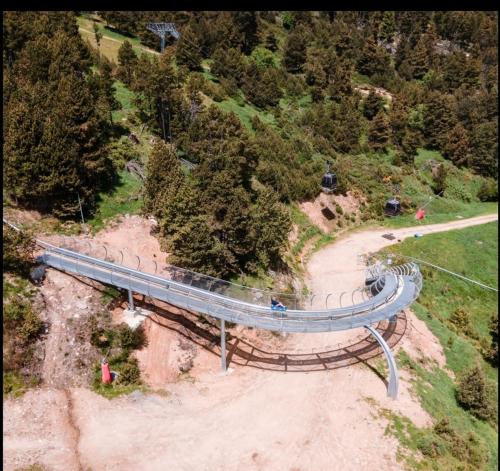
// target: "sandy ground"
[[247, 419]]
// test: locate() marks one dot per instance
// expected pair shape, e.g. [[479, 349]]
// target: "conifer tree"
[[472, 394], [188, 50], [246, 23], [270, 42], [55, 130], [294, 54], [127, 60], [163, 173], [409, 145], [387, 27], [372, 105], [457, 147], [378, 134], [272, 223], [484, 145], [439, 120]]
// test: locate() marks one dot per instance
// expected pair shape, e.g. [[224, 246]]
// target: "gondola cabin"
[[329, 182], [392, 207]]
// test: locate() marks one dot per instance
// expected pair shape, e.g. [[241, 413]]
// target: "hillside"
[[209, 156]]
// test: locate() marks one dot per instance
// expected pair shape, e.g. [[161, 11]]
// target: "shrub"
[[492, 352], [338, 209], [131, 339], [461, 320], [130, 373], [17, 251], [19, 317], [488, 190], [474, 394], [101, 338]]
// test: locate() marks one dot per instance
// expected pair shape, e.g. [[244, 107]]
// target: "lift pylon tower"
[[161, 29]]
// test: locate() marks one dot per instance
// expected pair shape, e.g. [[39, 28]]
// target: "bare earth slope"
[[249, 419]]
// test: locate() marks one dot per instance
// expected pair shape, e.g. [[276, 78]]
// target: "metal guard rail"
[[399, 291]]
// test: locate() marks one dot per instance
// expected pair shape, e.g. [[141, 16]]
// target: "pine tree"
[[373, 60], [418, 60], [270, 42], [127, 60], [439, 120], [294, 54], [372, 105], [457, 147], [163, 173], [378, 134], [340, 80], [272, 223], [409, 145], [188, 51], [387, 27], [473, 394], [398, 119], [484, 145], [246, 23], [55, 129]]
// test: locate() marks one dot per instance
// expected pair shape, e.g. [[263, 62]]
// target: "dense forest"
[[229, 215]]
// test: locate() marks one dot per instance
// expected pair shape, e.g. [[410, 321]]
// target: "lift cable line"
[[482, 285], [388, 290]]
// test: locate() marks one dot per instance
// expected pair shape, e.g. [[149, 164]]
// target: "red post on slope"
[[106, 373], [420, 214]]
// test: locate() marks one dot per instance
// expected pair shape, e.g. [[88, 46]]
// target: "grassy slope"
[[472, 252], [110, 41]]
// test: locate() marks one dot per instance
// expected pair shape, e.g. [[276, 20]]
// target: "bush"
[[130, 373], [19, 317], [492, 351], [338, 209], [17, 251], [474, 394], [131, 339], [488, 190], [102, 338], [461, 321]]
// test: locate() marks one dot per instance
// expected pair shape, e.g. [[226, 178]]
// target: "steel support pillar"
[[223, 345], [393, 381], [130, 300]]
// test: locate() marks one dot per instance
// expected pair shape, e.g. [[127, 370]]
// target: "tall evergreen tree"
[[378, 134], [127, 60], [163, 174], [387, 27], [55, 129], [246, 23], [372, 105], [188, 50], [457, 147], [294, 54], [439, 120]]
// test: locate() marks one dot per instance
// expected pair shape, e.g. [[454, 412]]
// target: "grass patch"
[[15, 385], [466, 442], [111, 40], [124, 199], [246, 112], [443, 210]]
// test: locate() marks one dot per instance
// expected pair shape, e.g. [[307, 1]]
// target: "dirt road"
[[247, 419]]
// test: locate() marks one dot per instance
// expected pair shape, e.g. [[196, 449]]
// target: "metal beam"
[[223, 345], [130, 300], [393, 382]]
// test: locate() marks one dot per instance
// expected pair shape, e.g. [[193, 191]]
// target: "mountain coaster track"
[[391, 290]]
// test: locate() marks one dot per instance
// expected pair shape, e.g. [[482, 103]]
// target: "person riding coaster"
[[277, 306]]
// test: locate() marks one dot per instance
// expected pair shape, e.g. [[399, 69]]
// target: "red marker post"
[[106, 373], [420, 214]]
